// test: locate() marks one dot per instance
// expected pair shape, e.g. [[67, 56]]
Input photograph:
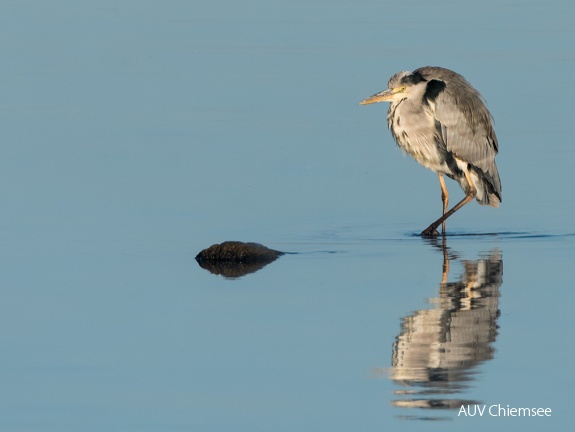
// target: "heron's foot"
[[430, 231]]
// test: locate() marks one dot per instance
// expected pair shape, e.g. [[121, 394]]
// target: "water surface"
[[135, 134]]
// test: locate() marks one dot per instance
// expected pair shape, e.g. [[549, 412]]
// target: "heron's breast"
[[420, 141]]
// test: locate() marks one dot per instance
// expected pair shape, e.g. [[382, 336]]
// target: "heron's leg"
[[431, 230], [444, 199]]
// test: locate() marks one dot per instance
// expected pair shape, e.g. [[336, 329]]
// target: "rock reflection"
[[438, 348]]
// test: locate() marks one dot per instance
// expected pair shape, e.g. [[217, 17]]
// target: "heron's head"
[[400, 86]]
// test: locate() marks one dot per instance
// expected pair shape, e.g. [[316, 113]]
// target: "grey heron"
[[440, 120]]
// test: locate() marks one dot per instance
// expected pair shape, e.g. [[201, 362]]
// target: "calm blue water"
[[136, 133]]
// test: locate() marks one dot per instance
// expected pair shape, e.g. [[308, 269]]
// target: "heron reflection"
[[438, 349]]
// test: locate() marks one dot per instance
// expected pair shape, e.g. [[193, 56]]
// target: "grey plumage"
[[439, 119]]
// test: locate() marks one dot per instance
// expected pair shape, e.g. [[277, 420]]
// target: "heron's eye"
[[402, 88]]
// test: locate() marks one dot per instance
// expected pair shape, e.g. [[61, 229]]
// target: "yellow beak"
[[384, 96]]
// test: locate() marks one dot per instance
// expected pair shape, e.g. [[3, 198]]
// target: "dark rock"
[[235, 259]]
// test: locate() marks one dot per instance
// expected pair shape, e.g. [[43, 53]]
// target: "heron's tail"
[[488, 187]]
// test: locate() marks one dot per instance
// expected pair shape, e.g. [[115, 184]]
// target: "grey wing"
[[466, 126]]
